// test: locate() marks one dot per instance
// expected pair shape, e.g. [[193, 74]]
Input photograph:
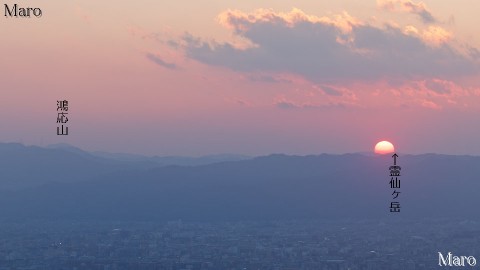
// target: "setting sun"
[[384, 147]]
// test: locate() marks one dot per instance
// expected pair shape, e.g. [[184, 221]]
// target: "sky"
[[247, 77]]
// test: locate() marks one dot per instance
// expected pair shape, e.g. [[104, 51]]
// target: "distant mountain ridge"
[[30, 166], [269, 187]]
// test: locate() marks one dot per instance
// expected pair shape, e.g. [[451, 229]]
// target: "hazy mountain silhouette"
[[173, 160], [26, 166], [30, 166], [271, 187]]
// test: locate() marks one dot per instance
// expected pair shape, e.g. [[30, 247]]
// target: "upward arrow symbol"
[[395, 159]]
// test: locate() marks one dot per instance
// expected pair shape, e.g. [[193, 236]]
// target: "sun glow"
[[384, 147]]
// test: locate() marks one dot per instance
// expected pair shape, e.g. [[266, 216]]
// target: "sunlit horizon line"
[[364, 153]]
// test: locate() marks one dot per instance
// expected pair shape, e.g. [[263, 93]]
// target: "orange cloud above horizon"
[[343, 52]]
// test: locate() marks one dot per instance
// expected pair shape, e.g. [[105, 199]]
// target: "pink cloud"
[[240, 21], [430, 104], [327, 50], [419, 8]]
